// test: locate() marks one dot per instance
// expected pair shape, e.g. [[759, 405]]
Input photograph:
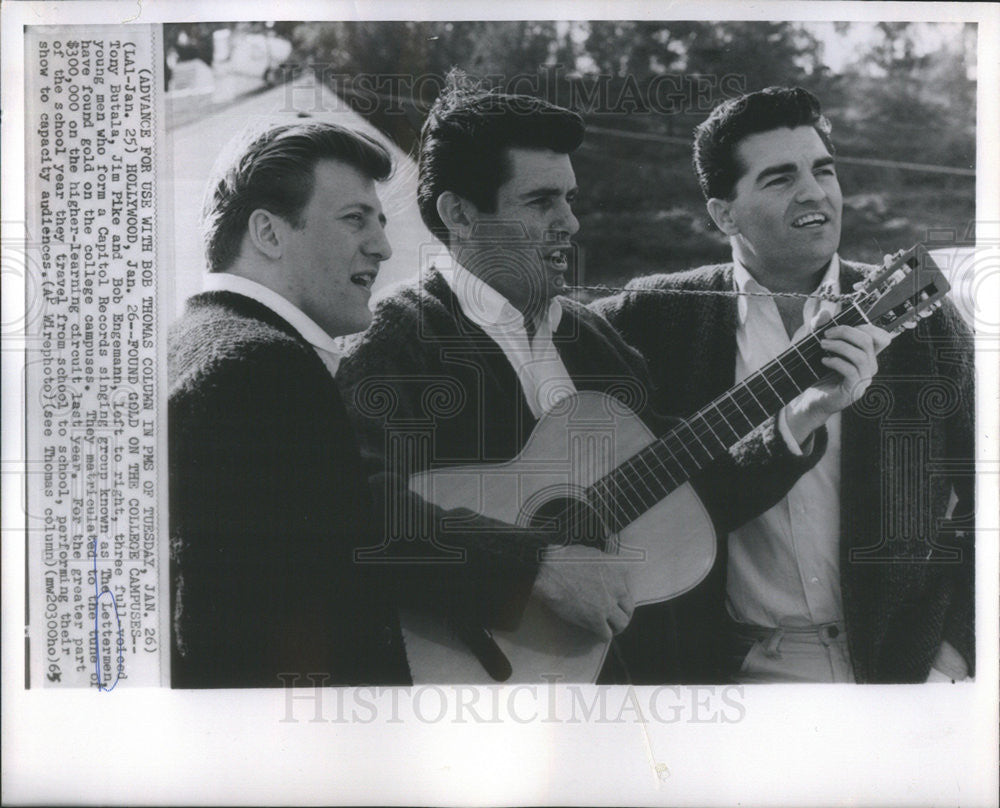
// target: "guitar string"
[[729, 406], [808, 353], [852, 297], [701, 420], [629, 475], [774, 369], [700, 424], [829, 296]]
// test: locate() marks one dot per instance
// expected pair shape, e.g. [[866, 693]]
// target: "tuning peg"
[[910, 324], [859, 285], [890, 258]]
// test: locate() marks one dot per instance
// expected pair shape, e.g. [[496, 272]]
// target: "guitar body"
[[669, 549], [669, 545]]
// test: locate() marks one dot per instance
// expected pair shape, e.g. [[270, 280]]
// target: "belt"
[[826, 633]]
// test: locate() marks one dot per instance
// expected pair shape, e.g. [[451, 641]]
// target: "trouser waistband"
[[771, 638]]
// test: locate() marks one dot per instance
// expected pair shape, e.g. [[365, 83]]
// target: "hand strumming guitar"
[[587, 588]]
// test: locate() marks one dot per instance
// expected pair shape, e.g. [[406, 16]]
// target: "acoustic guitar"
[[592, 470]]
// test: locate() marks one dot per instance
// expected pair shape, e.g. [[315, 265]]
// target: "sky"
[[840, 48]]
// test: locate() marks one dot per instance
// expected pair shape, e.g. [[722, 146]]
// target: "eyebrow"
[[365, 208], [553, 191], [770, 171], [791, 168]]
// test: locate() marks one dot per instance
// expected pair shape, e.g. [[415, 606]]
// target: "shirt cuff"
[[949, 662], [790, 442]]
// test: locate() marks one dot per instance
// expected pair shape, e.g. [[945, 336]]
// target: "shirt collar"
[[486, 307], [743, 281], [310, 331]]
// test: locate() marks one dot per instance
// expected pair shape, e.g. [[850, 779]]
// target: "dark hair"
[[273, 170], [463, 142], [716, 138]]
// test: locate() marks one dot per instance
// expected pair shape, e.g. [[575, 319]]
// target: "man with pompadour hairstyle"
[[856, 575], [270, 510], [497, 187]]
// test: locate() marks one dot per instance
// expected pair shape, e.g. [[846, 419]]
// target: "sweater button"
[[834, 632]]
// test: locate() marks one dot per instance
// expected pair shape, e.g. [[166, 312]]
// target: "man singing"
[[857, 574], [497, 187], [270, 509]]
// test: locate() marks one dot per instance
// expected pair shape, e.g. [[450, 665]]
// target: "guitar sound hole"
[[570, 521]]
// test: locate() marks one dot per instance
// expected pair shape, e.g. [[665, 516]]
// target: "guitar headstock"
[[908, 288]]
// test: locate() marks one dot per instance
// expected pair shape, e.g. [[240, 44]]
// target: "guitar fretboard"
[[631, 489]]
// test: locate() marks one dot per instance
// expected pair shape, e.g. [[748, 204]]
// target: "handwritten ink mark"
[[97, 631]]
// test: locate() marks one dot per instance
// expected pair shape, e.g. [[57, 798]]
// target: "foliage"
[[896, 100]]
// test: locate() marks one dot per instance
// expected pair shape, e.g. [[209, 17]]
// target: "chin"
[[353, 325], [815, 259], [826, 256], [361, 324]]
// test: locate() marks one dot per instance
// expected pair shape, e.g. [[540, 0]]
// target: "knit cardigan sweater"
[[428, 386], [270, 508], [907, 573], [267, 504]]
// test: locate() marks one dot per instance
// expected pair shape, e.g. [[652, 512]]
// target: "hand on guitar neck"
[[580, 585], [852, 365], [906, 289], [571, 480]]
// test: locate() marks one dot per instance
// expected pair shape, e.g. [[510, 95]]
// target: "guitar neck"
[[640, 482]]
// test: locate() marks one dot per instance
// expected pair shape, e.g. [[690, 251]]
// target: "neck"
[[508, 281], [265, 275], [780, 278]]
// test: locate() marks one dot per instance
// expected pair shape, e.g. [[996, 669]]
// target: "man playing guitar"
[[857, 574], [497, 187]]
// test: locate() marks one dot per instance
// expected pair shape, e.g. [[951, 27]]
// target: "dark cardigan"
[[267, 504], [428, 386], [907, 574]]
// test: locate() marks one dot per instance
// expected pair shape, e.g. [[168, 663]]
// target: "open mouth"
[[811, 220], [364, 279], [558, 260]]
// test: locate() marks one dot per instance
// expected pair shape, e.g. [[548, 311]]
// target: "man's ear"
[[457, 213], [265, 231], [721, 212]]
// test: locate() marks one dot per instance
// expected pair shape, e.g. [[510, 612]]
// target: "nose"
[[809, 189], [566, 221], [378, 245]]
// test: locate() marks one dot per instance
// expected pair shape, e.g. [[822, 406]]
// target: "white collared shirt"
[[784, 567], [535, 360], [325, 345]]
